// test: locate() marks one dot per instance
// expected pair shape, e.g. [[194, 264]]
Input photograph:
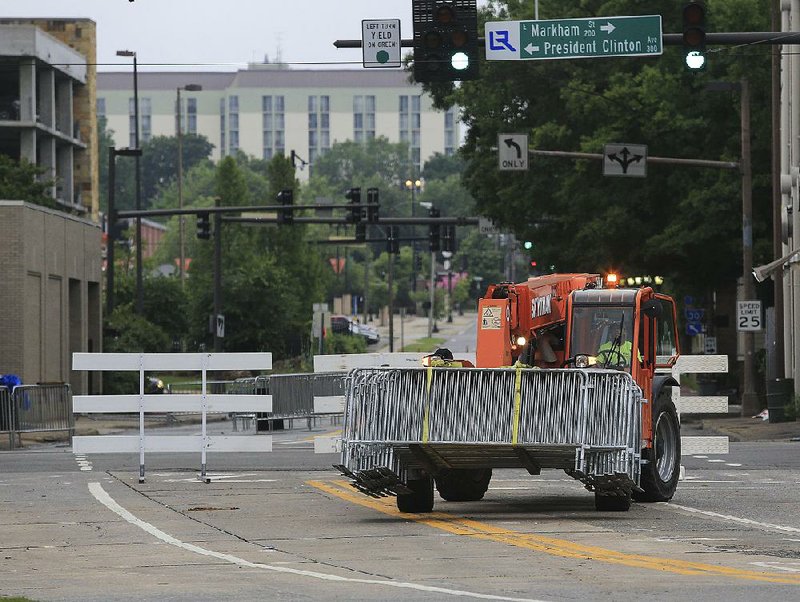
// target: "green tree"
[[683, 222], [160, 161], [21, 181]]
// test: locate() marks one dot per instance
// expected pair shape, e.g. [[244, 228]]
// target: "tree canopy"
[[682, 222]]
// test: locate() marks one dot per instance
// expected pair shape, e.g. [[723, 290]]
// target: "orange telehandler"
[[565, 377]]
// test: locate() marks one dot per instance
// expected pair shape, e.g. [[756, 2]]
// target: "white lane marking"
[[194, 480], [781, 566], [700, 457], [102, 496], [667, 539], [83, 463], [717, 461], [729, 518], [732, 464]]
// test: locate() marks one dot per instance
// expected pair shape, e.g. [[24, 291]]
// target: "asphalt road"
[[285, 526]]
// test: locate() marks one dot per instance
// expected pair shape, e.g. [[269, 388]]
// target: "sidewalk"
[[742, 429], [413, 328]]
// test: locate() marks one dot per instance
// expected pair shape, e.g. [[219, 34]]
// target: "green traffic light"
[[528, 245], [460, 61], [695, 60]]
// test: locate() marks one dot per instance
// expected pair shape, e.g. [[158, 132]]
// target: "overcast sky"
[[220, 34]]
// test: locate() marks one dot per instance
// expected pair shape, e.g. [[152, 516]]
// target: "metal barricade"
[[292, 395], [36, 409], [7, 415], [585, 422]]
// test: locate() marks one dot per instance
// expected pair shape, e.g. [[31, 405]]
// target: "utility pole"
[[750, 403], [111, 220], [217, 274]]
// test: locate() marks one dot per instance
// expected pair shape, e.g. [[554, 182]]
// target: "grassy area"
[[424, 345]]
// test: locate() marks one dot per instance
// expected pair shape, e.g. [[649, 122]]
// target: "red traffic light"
[[694, 14], [444, 14], [534, 263]]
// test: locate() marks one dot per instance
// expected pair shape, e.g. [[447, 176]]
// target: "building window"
[[319, 119], [131, 123], [101, 107], [222, 136], [410, 130], [146, 110], [191, 116], [363, 118], [272, 108], [233, 124]]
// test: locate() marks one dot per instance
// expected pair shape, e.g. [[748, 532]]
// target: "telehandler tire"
[[421, 500], [612, 503], [660, 475], [463, 484]]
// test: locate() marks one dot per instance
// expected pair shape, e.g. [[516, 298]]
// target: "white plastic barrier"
[[700, 404], [202, 403]]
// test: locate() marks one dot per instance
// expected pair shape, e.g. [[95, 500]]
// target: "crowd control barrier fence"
[[41, 408], [202, 402]]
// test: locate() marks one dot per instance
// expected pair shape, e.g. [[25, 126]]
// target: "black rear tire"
[[421, 500], [463, 484], [660, 475], [612, 503]]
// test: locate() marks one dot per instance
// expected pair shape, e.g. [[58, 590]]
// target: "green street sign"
[[573, 38]]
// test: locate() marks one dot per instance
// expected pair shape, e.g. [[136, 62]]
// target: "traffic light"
[[445, 40], [418, 263], [694, 35], [392, 243], [449, 238], [373, 205], [286, 214], [203, 226], [361, 232], [434, 231], [354, 196], [528, 245]]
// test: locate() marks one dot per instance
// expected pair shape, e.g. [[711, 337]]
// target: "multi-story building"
[[47, 104], [50, 260], [267, 110]]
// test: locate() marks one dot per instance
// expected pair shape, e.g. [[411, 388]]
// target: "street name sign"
[[748, 316], [380, 43], [512, 152], [573, 38], [487, 227], [625, 160]]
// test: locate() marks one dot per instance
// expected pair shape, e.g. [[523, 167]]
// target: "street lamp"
[[139, 289], [179, 133], [413, 186]]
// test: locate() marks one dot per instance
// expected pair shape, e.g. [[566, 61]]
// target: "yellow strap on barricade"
[[427, 414], [517, 401]]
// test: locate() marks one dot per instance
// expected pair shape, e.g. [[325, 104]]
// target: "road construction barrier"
[[41, 408], [203, 402], [700, 404]]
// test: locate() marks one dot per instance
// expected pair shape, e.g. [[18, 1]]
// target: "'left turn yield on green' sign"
[[380, 43]]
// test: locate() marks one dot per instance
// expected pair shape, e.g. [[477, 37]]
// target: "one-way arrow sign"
[[625, 160], [512, 151]]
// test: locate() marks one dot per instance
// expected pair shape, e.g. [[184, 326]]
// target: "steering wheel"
[[611, 358]]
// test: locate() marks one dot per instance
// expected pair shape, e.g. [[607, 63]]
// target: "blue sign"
[[694, 328], [694, 315]]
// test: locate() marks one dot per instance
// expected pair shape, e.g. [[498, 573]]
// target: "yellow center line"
[[335, 433], [540, 543]]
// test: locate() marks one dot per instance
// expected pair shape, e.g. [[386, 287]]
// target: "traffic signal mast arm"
[[730, 38]]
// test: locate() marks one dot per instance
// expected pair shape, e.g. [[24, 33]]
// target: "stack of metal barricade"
[[587, 422]]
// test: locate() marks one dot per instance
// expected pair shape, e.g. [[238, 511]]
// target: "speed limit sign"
[[748, 315]]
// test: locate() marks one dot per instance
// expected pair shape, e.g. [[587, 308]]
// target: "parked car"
[[341, 324]]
